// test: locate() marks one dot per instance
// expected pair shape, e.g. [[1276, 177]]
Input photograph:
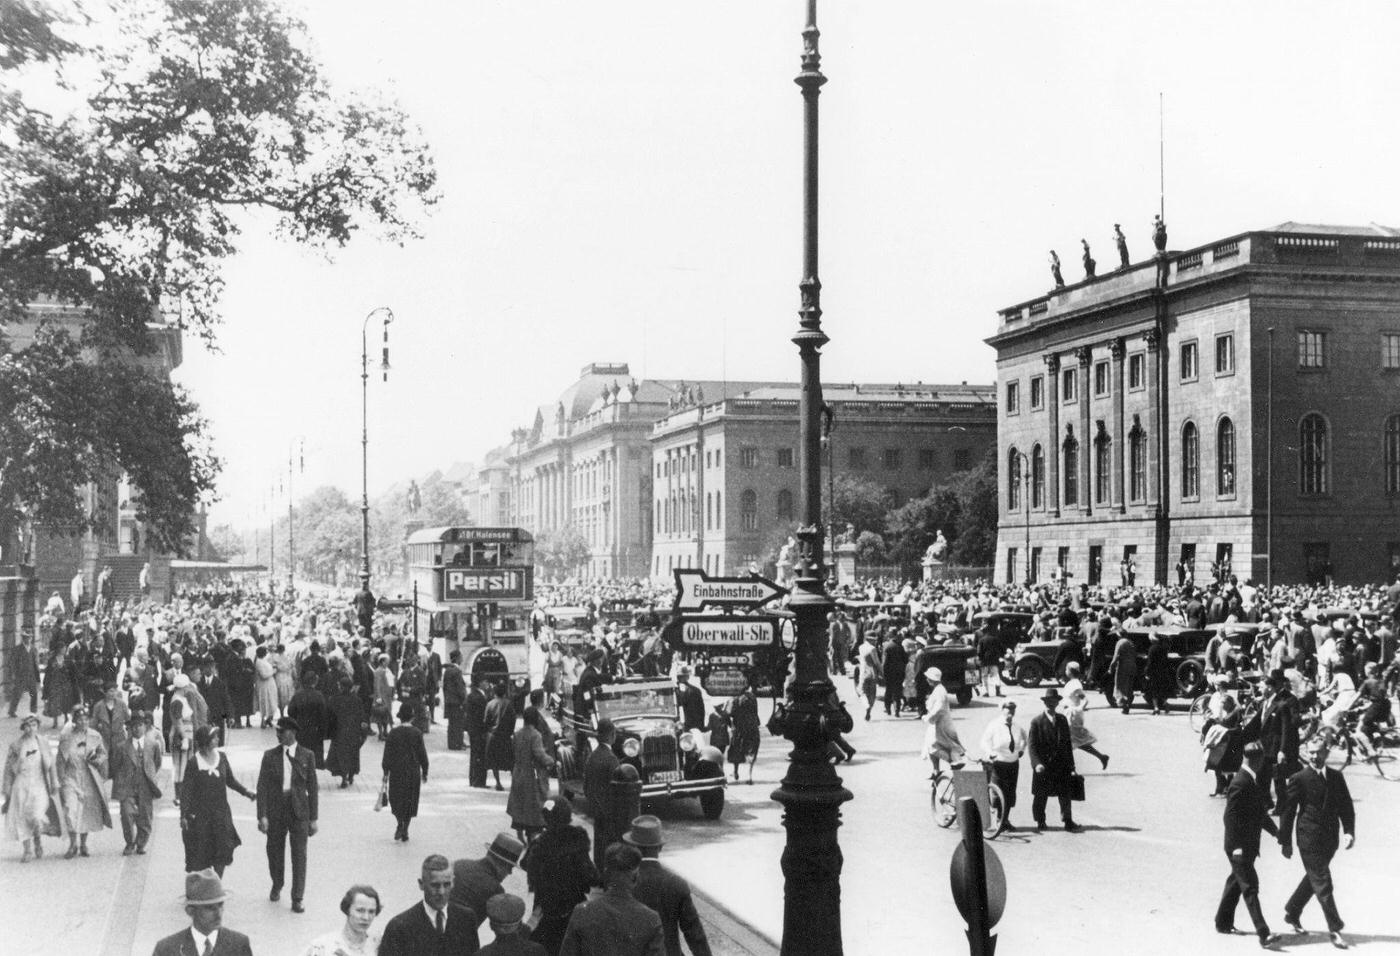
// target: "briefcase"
[[1076, 787]]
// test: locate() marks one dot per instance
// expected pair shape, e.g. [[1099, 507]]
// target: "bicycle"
[[1350, 744], [951, 785]]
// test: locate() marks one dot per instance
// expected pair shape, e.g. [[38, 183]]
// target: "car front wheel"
[[1030, 673]]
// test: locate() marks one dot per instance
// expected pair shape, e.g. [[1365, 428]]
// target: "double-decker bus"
[[474, 590]]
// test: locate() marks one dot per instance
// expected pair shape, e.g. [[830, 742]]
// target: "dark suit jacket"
[[454, 687], [669, 895], [1048, 744], [305, 789], [411, 934], [182, 944], [473, 883], [692, 706], [130, 780], [1246, 812], [1319, 802], [1278, 728], [474, 714], [597, 777]]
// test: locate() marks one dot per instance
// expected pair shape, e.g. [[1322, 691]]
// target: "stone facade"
[[725, 474], [1203, 404]]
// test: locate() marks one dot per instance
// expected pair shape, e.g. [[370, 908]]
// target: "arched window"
[[748, 510], [1137, 454], [1225, 457], [1037, 477], [1190, 461], [1392, 455], [1013, 479], [1103, 468], [1071, 471], [784, 505], [1312, 455]]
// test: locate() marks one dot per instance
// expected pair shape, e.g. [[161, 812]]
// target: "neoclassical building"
[[1236, 403]]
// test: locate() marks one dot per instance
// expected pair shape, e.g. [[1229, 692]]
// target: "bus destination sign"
[[460, 535], [485, 584]]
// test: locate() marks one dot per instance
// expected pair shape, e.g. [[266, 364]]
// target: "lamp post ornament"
[[812, 713]]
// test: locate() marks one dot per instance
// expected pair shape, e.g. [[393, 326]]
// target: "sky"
[[621, 182]]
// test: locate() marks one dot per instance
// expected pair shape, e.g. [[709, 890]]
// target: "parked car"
[[1031, 663], [1186, 652]]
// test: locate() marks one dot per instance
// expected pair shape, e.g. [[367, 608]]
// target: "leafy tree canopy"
[[561, 552]]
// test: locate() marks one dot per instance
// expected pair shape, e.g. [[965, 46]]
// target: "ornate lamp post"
[[811, 792], [364, 438]]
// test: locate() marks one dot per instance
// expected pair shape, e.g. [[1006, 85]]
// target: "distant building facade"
[[725, 472], [1231, 407]]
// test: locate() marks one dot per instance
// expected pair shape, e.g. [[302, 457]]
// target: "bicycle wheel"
[[1381, 758], [1200, 707], [945, 810], [996, 812]]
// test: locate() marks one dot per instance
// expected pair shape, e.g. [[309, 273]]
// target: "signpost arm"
[[979, 930]]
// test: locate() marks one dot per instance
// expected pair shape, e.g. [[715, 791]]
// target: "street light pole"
[[828, 427], [1269, 474], [812, 714], [364, 433], [291, 522]]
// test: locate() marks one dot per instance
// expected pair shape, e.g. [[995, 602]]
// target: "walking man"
[[204, 904], [615, 924], [454, 701], [434, 926], [474, 717], [135, 765], [664, 891], [1246, 813], [288, 803], [597, 786], [1318, 800], [24, 674], [1003, 743], [1052, 758]]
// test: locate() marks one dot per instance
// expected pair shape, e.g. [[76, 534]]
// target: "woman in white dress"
[[265, 692], [940, 736], [361, 906], [1077, 701], [28, 784], [81, 768]]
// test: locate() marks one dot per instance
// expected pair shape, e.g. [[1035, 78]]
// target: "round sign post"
[[978, 881]]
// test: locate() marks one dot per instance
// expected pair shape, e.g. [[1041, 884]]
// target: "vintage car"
[[569, 625], [1186, 651], [624, 612], [1241, 636], [1030, 663], [958, 662], [672, 763]]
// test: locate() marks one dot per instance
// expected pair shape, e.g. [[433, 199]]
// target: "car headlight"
[[687, 742], [631, 746]]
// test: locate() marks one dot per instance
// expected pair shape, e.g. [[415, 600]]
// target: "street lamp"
[[812, 714], [829, 426], [1269, 474], [366, 608], [299, 459]]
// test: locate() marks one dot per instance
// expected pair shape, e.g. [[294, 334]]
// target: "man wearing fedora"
[[1278, 735], [288, 804], [206, 936], [664, 891], [1052, 761], [436, 926], [135, 766], [476, 881]]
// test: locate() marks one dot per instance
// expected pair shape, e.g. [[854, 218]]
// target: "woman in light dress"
[[940, 736], [81, 768], [28, 784], [282, 668], [1077, 701], [361, 906], [265, 693]]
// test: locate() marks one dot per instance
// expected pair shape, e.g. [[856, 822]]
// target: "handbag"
[[1076, 787], [382, 801]]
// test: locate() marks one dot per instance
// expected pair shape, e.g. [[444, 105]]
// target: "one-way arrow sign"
[[695, 589]]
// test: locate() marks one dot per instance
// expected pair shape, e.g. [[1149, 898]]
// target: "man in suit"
[[476, 881], [1052, 759], [135, 764], [474, 716], [664, 891], [597, 787], [689, 700], [454, 699], [206, 936], [1318, 800], [1246, 813], [215, 693], [24, 674], [288, 804], [615, 924], [109, 718], [435, 927], [1278, 735]]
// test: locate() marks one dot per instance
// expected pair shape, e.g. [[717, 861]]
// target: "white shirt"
[[1003, 744], [433, 915], [199, 939], [289, 754]]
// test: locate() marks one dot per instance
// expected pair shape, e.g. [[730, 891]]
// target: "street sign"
[[961, 877], [725, 682], [726, 631], [695, 590]]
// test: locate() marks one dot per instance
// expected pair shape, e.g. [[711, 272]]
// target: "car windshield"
[[618, 701]]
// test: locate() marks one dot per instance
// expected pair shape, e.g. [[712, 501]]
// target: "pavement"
[[1143, 877]]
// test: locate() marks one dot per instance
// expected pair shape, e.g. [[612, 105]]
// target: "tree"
[[198, 120], [227, 543], [561, 552], [871, 549], [976, 542], [965, 510], [859, 502], [913, 526]]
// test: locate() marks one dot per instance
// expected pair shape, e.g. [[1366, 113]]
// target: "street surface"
[[1143, 877]]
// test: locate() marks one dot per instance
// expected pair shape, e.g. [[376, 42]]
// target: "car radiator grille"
[[659, 753]]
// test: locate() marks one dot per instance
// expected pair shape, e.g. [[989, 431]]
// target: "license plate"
[[665, 776]]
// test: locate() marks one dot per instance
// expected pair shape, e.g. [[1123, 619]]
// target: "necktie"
[[208, 947], [441, 922]]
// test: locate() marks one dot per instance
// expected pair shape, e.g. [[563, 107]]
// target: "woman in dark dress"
[[1158, 675], [560, 870], [240, 680], [347, 733], [743, 744], [500, 726], [405, 766], [206, 823]]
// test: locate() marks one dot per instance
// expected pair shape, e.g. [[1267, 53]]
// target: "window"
[[1071, 476], [1101, 379], [892, 458], [1038, 391], [748, 457], [1224, 355], [709, 510], [784, 457], [1103, 470], [855, 458], [1312, 455], [1137, 454], [1390, 350], [719, 513], [1137, 371], [1010, 565], [1189, 362], [784, 505], [926, 458], [1392, 455], [1013, 398], [716, 457], [1311, 349], [707, 459], [1037, 477], [1069, 385], [1225, 457], [962, 459], [748, 510], [1013, 479], [1190, 461], [1035, 565]]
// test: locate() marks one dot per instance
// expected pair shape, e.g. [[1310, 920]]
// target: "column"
[[1155, 450], [1085, 356], [1117, 350], [1052, 448]]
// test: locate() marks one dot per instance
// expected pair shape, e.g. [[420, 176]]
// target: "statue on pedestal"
[[938, 549], [786, 558], [415, 498], [1159, 233], [1121, 241], [1089, 264], [1055, 269]]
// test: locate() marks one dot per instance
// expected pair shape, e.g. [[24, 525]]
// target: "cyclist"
[[1372, 696]]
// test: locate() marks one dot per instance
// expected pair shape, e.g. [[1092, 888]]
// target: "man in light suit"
[[1318, 800], [664, 891], [206, 936], [135, 764], [288, 803], [1246, 813], [436, 926]]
